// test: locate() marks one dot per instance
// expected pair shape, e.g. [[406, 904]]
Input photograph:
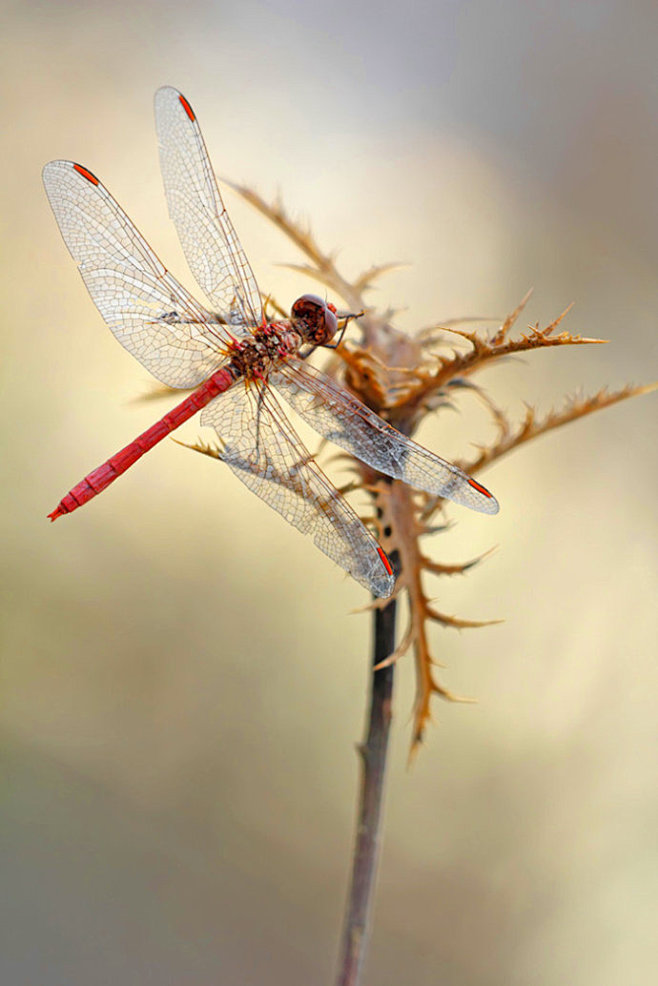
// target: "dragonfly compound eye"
[[314, 319]]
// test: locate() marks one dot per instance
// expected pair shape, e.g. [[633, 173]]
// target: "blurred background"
[[182, 681]]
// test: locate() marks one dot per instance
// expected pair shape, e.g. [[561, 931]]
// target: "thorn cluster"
[[403, 379]]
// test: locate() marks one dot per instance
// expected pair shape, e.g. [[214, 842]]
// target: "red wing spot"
[[384, 557], [186, 106], [480, 489], [86, 174]]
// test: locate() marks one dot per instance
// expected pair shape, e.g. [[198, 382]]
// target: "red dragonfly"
[[241, 365]]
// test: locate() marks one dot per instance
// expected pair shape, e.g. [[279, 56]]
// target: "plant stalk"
[[373, 752]]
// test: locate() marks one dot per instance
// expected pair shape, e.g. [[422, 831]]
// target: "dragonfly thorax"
[[257, 355], [314, 319]]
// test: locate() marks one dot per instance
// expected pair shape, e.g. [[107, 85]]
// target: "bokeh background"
[[182, 681]]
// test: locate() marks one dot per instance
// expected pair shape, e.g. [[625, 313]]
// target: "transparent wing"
[[343, 419], [262, 449], [148, 311], [209, 241]]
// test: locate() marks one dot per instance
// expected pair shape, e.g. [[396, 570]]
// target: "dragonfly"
[[242, 368]]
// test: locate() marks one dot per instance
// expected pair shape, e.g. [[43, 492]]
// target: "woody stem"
[[373, 754]]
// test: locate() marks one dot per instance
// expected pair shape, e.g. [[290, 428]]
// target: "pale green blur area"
[[182, 681]]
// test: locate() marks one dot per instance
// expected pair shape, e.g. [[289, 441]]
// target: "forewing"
[[343, 419], [262, 449], [209, 241], [148, 311]]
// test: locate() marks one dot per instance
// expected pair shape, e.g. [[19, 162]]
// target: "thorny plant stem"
[[373, 772]]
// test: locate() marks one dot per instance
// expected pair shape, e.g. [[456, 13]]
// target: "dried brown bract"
[[403, 379]]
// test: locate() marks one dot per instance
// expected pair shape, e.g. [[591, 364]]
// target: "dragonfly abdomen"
[[104, 475]]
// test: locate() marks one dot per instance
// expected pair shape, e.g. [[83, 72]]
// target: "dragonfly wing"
[[209, 241], [262, 449], [148, 311], [343, 419]]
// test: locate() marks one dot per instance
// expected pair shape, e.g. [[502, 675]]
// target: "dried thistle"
[[403, 379]]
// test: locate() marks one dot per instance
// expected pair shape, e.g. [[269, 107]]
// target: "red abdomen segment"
[[100, 478]]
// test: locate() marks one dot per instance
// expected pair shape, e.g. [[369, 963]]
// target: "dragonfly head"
[[314, 319]]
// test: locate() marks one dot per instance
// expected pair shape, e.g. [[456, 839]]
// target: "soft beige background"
[[182, 683]]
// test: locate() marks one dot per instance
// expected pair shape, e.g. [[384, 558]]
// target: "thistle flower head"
[[404, 378]]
